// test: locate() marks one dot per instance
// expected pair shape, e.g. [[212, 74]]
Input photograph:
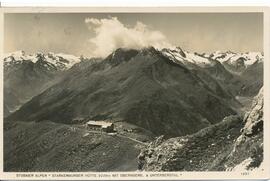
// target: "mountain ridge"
[[145, 93], [135, 83]]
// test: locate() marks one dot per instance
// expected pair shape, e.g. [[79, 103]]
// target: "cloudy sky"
[[97, 34]]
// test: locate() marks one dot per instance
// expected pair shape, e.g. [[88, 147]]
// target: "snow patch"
[[175, 54], [60, 61], [231, 57]]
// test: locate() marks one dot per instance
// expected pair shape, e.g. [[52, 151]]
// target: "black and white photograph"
[[133, 92]]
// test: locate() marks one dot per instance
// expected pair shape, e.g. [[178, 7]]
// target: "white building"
[[100, 125]]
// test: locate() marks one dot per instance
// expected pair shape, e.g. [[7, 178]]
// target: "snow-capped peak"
[[221, 56], [60, 60], [230, 57], [17, 54], [179, 56]]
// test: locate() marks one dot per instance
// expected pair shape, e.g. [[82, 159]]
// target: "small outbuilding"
[[101, 126]]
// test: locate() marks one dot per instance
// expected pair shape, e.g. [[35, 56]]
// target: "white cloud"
[[111, 34]]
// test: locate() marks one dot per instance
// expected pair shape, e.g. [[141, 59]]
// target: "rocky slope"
[[142, 87], [247, 152], [251, 80], [25, 76], [48, 146], [232, 144]]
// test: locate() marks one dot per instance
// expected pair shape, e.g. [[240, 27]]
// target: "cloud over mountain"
[[111, 34]]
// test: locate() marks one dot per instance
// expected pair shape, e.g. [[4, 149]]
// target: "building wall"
[[97, 127]]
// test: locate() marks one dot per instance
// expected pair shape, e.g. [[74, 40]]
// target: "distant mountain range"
[[28, 75], [51, 61]]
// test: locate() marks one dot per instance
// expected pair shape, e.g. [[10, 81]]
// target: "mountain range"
[[28, 75], [168, 92]]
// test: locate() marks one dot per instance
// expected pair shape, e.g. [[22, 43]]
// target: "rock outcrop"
[[232, 144], [248, 148]]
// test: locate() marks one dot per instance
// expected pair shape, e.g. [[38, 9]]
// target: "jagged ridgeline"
[[182, 95]]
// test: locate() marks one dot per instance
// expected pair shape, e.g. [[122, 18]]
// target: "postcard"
[[135, 93]]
